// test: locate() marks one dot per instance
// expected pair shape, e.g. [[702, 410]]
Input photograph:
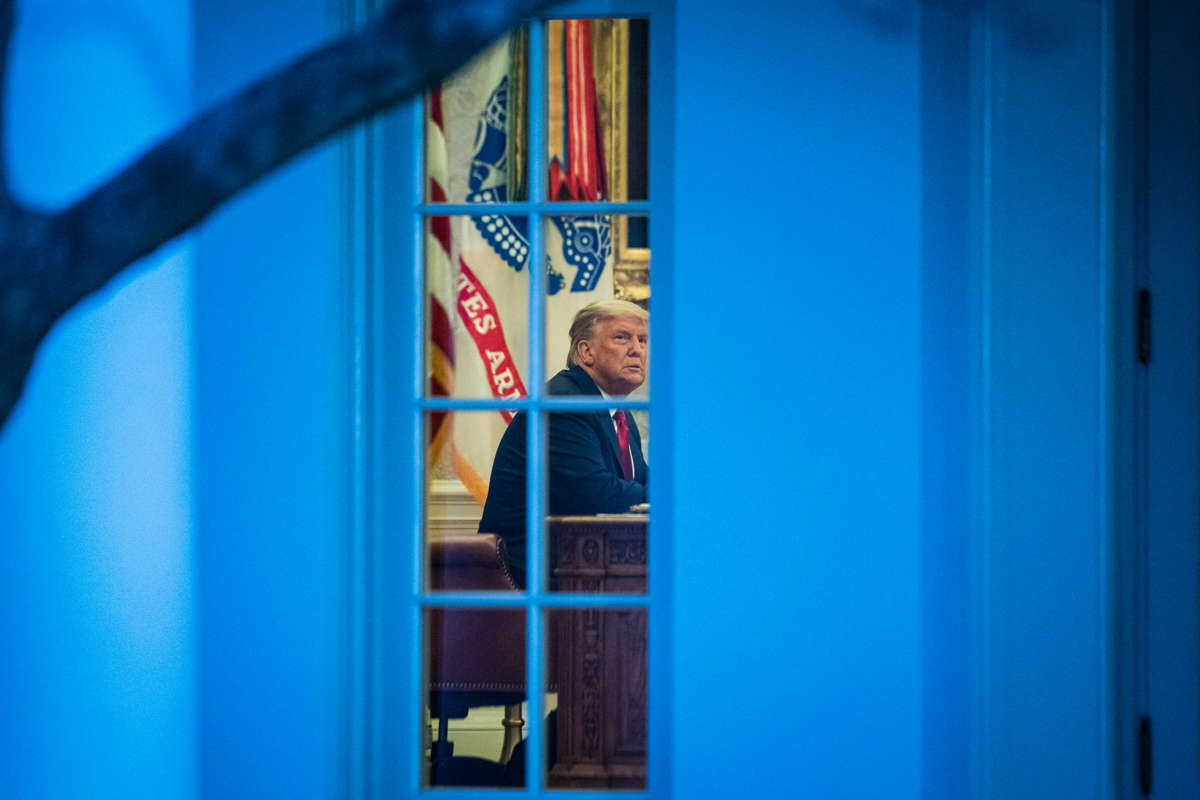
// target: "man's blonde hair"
[[591, 315]]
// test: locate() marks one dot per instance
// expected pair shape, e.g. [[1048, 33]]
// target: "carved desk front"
[[600, 663]]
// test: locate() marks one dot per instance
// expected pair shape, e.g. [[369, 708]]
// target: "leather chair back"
[[473, 649]]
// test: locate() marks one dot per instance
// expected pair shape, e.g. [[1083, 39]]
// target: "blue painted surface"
[[96, 681], [270, 471], [180, 623], [1173, 423], [947, 344], [797, 621], [1043, 619]]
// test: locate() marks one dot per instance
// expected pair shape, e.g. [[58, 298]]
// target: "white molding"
[[452, 509]]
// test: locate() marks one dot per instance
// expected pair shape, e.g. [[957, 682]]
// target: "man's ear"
[[584, 354]]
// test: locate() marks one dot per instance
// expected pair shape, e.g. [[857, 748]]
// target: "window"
[[537, 153]]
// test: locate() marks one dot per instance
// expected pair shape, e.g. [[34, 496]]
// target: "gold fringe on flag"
[[516, 155]]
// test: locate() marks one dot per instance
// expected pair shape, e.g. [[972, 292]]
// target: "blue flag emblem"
[[586, 239]]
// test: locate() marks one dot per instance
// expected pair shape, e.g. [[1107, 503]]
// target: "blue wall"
[[269, 421], [797, 619], [96, 682], [1042, 613]]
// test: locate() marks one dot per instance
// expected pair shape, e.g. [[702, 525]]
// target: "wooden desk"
[[599, 655]]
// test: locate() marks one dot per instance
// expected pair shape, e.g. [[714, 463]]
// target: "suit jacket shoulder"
[[572, 381]]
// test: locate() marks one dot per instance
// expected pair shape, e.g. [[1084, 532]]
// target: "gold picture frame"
[[610, 45], [620, 128]]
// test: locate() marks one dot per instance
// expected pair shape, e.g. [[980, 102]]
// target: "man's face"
[[615, 356]]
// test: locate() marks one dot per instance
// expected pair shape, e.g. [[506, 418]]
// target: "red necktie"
[[623, 441]]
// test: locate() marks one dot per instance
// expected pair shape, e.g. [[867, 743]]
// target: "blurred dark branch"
[[6, 28], [49, 262]]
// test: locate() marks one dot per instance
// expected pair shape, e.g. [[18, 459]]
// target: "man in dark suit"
[[595, 462]]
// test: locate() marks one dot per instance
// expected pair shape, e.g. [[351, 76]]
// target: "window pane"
[[476, 310], [592, 258], [597, 661], [596, 500], [476, 147], [462, 446], [600, 553], [596, 109], [474, 667], [597, 479]]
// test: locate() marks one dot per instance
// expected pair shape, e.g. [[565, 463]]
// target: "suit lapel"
[[635, 444], [610, 434], [607, 428]]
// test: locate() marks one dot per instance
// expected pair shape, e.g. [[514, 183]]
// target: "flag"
[[477, 268]]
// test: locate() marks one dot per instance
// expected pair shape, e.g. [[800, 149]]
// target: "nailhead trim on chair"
[[502, 553], [486, 685]]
